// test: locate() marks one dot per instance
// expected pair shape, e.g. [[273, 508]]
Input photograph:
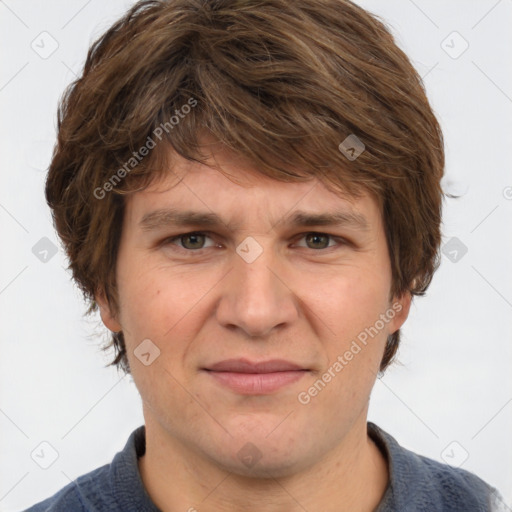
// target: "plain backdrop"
[[450, 398]]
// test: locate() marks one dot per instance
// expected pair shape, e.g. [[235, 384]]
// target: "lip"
[[246, 366], [255, 378]]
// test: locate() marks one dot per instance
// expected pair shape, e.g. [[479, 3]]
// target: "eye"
[[196, 241], [317, 240], [190, 241]]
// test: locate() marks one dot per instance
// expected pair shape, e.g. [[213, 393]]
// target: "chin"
[[262, 457]]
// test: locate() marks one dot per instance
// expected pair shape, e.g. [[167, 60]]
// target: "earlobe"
[[401, 306], [107, 316]]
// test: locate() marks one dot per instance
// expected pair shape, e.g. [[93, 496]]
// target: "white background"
[[454, 382]]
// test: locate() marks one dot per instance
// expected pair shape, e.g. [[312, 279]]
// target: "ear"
[[109, 319], [401, 306]]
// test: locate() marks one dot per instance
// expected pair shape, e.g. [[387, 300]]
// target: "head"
[[251, 110]]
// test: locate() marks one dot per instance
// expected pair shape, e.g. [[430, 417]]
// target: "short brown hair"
[[280, 82]]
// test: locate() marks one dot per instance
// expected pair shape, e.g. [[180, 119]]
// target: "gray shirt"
[[416, 484]]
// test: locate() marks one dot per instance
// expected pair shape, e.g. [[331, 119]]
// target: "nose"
[[257, 297]]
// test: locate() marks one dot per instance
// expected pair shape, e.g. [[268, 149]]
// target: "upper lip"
[[246, 366]]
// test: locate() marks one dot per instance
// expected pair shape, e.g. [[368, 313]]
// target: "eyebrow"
[[159, 219]]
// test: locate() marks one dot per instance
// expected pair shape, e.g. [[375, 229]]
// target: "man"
[[249, 191]]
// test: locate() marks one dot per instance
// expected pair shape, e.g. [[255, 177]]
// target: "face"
[[266, 305]]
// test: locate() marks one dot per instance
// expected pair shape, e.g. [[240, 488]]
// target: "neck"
[[352, 477]]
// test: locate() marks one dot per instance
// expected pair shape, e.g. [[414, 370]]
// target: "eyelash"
[[171, 240]]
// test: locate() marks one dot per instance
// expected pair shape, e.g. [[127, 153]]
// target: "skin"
[[301, 300]]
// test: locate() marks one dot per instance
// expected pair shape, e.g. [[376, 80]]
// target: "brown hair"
[[280, 82]]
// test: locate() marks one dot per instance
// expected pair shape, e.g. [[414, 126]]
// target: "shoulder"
[[84, 494], [451, 486], [113, 487], [419, 483]]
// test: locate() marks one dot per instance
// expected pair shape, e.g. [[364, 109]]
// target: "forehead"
[[230, 187]]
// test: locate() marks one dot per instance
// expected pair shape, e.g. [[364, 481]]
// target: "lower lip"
[[256, 383]]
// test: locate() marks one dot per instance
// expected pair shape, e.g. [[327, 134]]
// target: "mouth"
[[255, 378]]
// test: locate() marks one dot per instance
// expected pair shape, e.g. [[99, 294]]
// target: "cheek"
[[140, 298], [351, 307], [163, 304], [352, 344], [348, 302]]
